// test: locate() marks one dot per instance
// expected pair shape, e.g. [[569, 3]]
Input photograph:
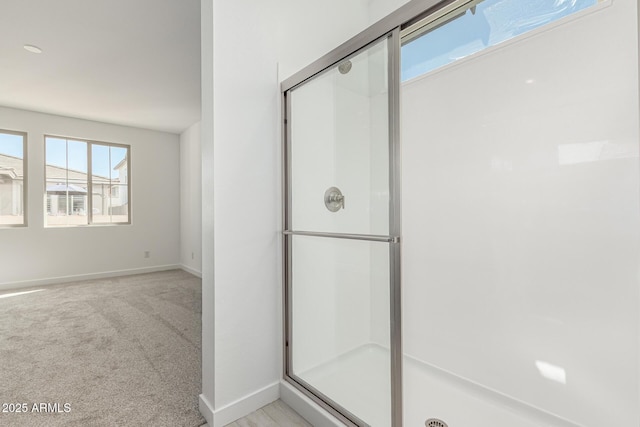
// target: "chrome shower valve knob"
[[333, 199]]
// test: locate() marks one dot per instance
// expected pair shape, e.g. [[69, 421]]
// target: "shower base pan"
[[359, 381]]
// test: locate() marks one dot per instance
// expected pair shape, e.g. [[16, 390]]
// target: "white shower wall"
[[340, 138], [520, 219]]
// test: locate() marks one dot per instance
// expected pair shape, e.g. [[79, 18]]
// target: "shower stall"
[[501, 289]]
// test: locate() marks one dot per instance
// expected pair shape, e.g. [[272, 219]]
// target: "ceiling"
[[128, 62]]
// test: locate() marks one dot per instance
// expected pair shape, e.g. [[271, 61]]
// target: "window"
[[13, 178], [110, 164], [87, 182], [477, 26]]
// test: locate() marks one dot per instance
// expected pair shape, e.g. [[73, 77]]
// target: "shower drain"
[[434, 422]]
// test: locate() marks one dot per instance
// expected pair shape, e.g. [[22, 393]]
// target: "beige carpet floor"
[[115, 352]]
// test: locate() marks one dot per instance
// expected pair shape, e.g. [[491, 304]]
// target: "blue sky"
[[77, 152], [494, 21], [103, 158], [11, 145]]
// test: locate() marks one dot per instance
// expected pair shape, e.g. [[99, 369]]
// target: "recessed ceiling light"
[[33, 49]]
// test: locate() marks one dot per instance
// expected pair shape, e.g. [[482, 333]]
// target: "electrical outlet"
[[147, 254]]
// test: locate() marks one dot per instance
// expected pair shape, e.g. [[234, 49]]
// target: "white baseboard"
[[191, 270], [243, 407], [80, 277], [206, 409], [306, 407]]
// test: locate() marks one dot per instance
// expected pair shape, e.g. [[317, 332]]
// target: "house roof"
[[14, 168], [123, 161], [11, 166]]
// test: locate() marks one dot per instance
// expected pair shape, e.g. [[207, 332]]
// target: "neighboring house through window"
[[13, 178], [87, 182]]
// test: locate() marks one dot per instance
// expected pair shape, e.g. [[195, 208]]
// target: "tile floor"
[[276, 414]]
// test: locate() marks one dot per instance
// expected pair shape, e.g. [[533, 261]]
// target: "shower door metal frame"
[[403, 22], [393, 240], [392, 39]]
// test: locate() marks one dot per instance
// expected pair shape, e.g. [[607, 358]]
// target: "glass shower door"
[[341, 246]]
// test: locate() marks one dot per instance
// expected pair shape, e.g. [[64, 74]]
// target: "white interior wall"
[[248, 48], [378, 9], [303, 32], [520, 217], [207, 397], [191, 200], [245, 200], [35, 254]]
